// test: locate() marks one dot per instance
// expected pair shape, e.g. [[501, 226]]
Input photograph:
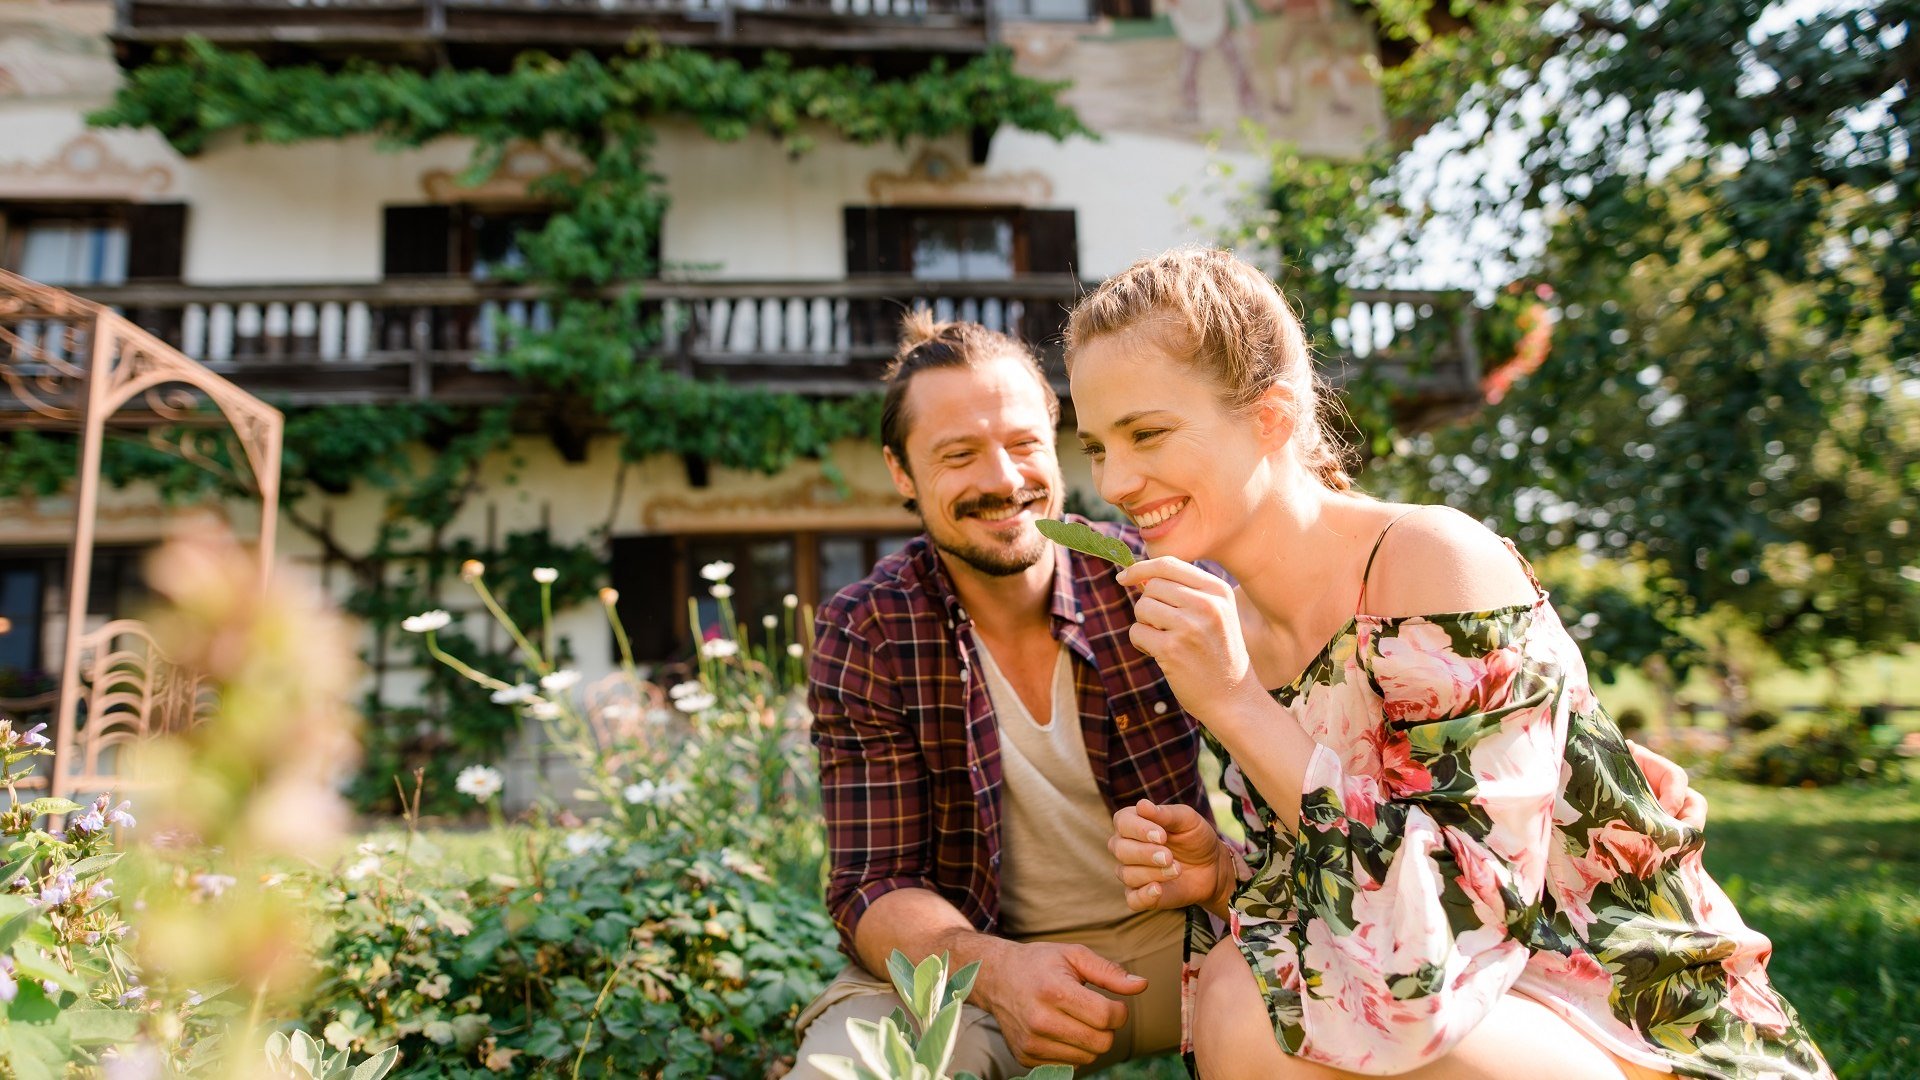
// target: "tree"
[[1718, 195]]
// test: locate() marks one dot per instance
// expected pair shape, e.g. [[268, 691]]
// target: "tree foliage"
[[1720, 194]]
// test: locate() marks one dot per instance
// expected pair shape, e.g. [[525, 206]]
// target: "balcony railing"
[[372, 27], [431, 339]]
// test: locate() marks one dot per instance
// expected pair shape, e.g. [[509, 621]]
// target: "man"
[[979, 716]]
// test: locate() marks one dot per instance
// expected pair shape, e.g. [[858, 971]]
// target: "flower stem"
[[534, 656]]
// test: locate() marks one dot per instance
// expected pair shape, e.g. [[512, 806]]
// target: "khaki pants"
[[1149, 945]]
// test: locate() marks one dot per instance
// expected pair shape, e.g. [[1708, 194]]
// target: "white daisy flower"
[[717, 571], [796, 650], [426, 622], [719, 648], [693, 703], [545, 575], [482, 782], [587, 842], [721, 591], [791, 601], [514, 695], [559, 680], [544, 710]]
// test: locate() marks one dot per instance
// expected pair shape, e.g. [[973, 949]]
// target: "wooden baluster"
[[274, 326], [220, 332], [420, 363], [331, 333]]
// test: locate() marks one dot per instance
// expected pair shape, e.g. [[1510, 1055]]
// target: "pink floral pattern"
[[1474, 823]]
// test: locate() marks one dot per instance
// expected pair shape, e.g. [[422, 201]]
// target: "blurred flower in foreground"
[[256, 779]]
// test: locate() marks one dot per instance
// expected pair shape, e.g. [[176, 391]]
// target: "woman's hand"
[[1170, 857], [1186, 620]]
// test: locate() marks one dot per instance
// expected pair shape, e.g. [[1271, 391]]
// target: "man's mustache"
[[995, 502]]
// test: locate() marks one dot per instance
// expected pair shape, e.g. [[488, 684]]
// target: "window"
[[960, 244], [963, 247], [80, 244], [658, 575], [32, 593], [461, 240]]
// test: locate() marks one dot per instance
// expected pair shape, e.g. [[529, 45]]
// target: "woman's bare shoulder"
[[1439, 560]]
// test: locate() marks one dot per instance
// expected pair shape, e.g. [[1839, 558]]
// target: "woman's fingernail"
[[1170, 872], [1161, 858], [1157, 836]]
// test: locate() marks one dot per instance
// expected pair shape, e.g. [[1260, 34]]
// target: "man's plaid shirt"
[[909, 748]]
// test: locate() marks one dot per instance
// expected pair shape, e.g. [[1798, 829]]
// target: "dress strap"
[[1360, 603]]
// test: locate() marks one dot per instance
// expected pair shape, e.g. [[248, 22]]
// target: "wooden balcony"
[[492, 32], [429, 339]]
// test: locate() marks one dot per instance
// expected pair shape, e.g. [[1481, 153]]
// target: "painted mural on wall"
[[55, 51], [1300, 69]]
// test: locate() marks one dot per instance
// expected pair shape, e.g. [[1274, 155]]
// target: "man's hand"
[[1039, 991], [1169, 856], [1669, 784]]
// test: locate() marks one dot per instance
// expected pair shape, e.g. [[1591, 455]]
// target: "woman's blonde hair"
[[1223, 315]]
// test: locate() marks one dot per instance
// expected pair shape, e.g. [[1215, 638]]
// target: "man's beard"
[[997, 560]]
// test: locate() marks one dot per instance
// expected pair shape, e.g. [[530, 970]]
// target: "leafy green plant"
[[1834, 749], [676, 931], [301, 1057], [67, 988], [917, 1041]]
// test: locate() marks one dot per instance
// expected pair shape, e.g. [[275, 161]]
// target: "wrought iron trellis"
[[74, 365]]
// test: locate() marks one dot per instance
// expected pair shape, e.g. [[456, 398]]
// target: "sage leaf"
[[1085, 541]]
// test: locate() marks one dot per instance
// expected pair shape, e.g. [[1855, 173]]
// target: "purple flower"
[[88, 823], [58, 890], [32, 736], [122, 815], [133, 994]]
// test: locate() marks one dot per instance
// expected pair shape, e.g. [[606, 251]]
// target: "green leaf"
[[93, 863], [901, 970], [929, 983], [33, 964], [937, 1040], [36, 1051], [11, 930], [961, 984], [1085, 541], [378, 1065], [1051, 1072], [90, 1027]]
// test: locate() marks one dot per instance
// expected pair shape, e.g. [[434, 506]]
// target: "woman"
[[1455, 868]]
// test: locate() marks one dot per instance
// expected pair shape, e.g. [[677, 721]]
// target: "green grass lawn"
[[1833, 877]]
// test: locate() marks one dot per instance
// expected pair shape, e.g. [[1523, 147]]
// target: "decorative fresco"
[[55, 51], [1303, 70]]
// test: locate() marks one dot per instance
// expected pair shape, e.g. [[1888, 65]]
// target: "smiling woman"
[[1457, 867]]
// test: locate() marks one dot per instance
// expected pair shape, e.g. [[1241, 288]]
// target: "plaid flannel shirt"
[[909, 748]]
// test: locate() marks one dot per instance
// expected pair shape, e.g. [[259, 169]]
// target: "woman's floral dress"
[[1473, 822]]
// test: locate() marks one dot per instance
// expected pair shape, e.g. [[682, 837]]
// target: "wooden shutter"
[[419, 240], [156, 241], [651, 610], [1053, 245], [877, 240]]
